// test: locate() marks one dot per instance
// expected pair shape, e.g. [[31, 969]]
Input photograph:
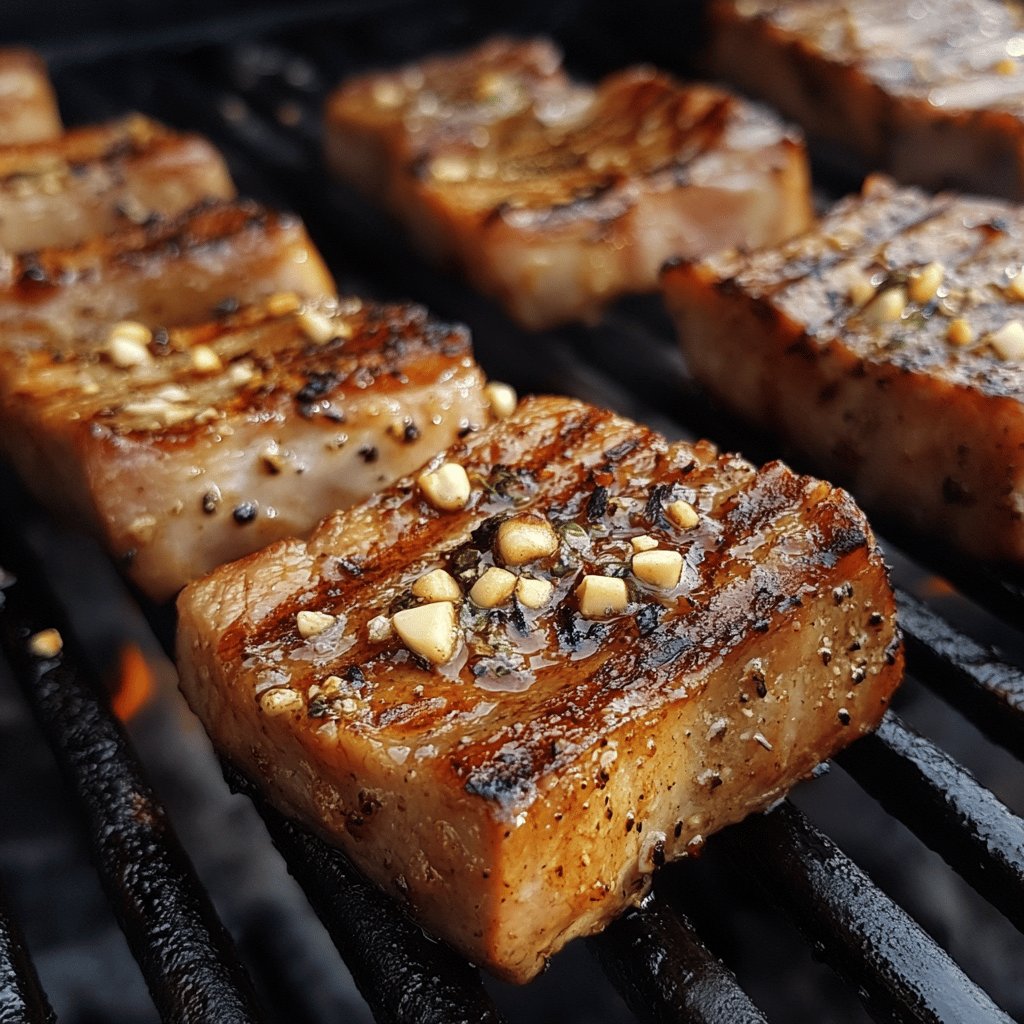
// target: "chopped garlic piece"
[[127, 349], [924, 283], [142, 529], [280, 701], [132, 330], [379, 629], [493, 588], [644, 543], [450, 167], [447, 487], [47, 643], [1008, 341], [887, 306], [282, 303], [1015, 289], [533, 593], [860, 289], [502, 399], [317, 327], [437, 586], [428, 630], [205, 360], [525, 538], [312, 624], [960, 332], [683, 514], [659, 568], [602, 595], [242, 372]]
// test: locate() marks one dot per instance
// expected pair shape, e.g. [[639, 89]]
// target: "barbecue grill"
[[766, 899]]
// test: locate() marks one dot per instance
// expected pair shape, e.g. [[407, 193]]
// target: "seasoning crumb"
[[47, 643]]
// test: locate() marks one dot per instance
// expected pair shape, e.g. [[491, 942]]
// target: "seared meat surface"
[[196, 446], [166, 272], [889, 345], [93, 180], [510, 686], [28, 106], [930, 91], [554, 196]]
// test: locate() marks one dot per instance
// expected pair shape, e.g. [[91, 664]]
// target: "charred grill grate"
[[260, 101]]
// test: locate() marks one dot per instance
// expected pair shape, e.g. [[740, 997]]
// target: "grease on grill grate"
[[260, 101]]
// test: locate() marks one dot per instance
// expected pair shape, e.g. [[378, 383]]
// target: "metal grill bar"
[[972, 678], [22, 999], [404, 976], [666, 974], [946, 808], [899, 971], [185, 954]]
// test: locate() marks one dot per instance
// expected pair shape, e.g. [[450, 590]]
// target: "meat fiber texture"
[[930, 91], [516, 786], [239, 432], [888, 345], [554, 196], [91, 181], [28, 106]]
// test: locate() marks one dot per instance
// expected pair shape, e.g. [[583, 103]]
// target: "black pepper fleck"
[[246, 512]]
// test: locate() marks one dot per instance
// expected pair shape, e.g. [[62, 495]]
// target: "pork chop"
[[553, 196], [195, 446], [930, 91], [888, 345], [513, 684]]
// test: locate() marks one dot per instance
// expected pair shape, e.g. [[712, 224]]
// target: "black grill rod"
[[185, 955], [405, 977], [970, 677], [22, 999], [661, 968], [899, 971], [946, 808]]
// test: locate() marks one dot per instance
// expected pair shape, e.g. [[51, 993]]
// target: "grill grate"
[[260, 100]]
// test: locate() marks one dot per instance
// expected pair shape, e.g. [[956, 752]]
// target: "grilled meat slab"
[[511, 744], [236, 433], [93, 180], [930, 91], [28, 106], [165, 272], [556, 197], [889, 345]]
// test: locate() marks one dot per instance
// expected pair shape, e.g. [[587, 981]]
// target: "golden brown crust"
[[918, 418], [521, 794]]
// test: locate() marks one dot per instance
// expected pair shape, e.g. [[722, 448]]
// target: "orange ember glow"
[[136, 684], [935, 586]]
